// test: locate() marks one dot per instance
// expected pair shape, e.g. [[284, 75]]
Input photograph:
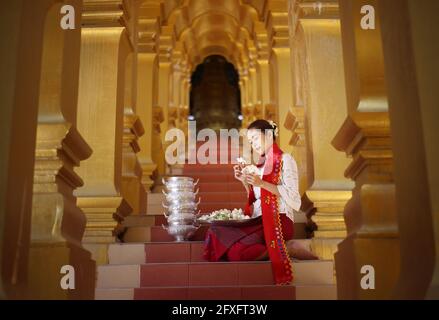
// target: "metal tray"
[[232, 223]]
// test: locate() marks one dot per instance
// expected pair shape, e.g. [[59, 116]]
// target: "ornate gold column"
[[255, 101], [21, 31], [157, 145], [105, 47], [57, 223], [164, 80], [412, 71], [174, 91], [162, 101], [280, 64], [262, 67], [245, 108], [132, 188], [186, 89], [315, 30], [184, 103], [370, 215], [147, 85]]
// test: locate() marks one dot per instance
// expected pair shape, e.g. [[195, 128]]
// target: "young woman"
[[272, 194]]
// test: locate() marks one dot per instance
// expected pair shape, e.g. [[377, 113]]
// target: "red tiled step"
[[214, 177], [158, 234], [205, 274], [317, 272], [302, 292], [269, 292], [210, 168], [162, 252], [232, 186], [237, 196]]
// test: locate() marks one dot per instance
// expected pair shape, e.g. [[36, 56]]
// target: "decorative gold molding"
[[101, 213], [157, 118], [270, 111], [133, 130], [295, 122], [366, 138], [107, 13], [59, 149], [312, 10]]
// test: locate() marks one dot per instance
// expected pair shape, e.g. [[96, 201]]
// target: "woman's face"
[[259, 141]]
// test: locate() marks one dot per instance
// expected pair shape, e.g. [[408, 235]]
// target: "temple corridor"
[[90, 89]]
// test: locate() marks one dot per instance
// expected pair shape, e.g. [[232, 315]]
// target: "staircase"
[[150, 265]]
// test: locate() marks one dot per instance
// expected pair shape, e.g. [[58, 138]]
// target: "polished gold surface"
[[319, 109], [370, 215], [412, 76], [84, 114]]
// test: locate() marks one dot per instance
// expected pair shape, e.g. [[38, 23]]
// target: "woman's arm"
[[289, 184], [270, 187], [256, 181], [241, 177], [288, 189]]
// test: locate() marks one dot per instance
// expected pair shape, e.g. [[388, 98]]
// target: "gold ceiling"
[[191, 30]]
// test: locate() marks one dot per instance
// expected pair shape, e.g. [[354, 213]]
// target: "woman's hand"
[[254, 180], [238, 174]]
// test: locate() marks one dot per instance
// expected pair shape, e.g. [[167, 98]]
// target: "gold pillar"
[[324, 103], [105, 47], [164, 93], [184, 112], [145, 81], [370, 215], [280, 60], [22, 29], [164, 80], [147, 87], [254, 96], [184, 103], [157, 145], [412, 71], [132, 188], [57, 223], [262, 68]]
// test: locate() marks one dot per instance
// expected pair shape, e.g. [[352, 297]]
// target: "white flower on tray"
[[225, 214]]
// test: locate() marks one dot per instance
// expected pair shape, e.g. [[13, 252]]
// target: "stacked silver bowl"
[[181, 207]]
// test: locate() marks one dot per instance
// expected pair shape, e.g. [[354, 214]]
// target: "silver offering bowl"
[[179, 182], [181, 232], [183, 196], [176, 206], [181, 217]]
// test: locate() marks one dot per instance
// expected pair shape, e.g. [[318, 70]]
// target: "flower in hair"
[[274, 126]]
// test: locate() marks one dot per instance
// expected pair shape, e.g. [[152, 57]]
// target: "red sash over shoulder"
[[280, 260]]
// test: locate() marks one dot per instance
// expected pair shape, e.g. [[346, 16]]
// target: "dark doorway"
[[215, 98]]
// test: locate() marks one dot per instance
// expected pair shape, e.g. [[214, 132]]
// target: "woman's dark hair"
[[263, 125]]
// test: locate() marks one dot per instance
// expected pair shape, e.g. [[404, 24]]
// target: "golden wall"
[[84, 113]]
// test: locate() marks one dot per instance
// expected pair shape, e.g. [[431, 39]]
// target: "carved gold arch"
[[213, 27]]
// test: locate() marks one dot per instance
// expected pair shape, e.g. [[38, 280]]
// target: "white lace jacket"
[[289, 201]]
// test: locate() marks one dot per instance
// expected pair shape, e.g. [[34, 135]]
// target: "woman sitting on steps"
[[273, 194]]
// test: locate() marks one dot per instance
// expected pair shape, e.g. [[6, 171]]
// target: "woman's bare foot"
[[299, 252]]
